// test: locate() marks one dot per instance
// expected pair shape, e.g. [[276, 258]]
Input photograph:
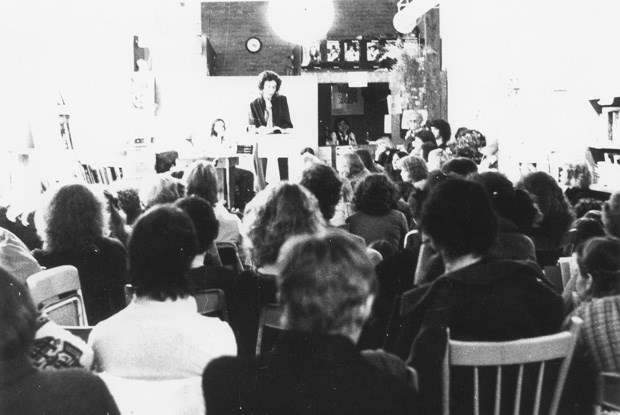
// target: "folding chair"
[[57, 292], [229, 256], [80, 331], [508, 357], [565, 266], [212, 302], [611, 391], [269, 327], [129, 293], [413, 239]]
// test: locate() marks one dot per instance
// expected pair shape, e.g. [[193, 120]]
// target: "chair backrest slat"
[[539, 383], [518, 392], [537, 351], [498, 390], [270, 317]]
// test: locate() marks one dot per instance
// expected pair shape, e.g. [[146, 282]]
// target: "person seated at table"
[[478, 297], [269, 112], [314, 367], [160, 334], [25, 390], [342, 134]]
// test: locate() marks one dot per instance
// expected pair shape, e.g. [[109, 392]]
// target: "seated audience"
[[161, 189], [71, 225], [160, 334], [611, 215], [323, 182], [369, 163], [557, 216], [478, 297], [275, 215], [25, 390], [441, 131], [314, 367], [424, 143], [375, 216], [468, 144], [583, 206], [437, 158], [353, 168], [460, 166], [413, 170], [205, 274], [578, 179], [598, 339], [391, 165], [201, 180]]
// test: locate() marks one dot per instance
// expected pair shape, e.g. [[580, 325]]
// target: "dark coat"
[[491, 300], [305, 374], [281, 116]]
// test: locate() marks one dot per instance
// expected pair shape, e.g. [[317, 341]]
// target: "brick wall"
[[229, 24]]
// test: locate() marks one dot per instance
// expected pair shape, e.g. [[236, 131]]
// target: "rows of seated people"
[[364, 309]]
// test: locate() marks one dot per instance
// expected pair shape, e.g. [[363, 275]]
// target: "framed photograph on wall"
[[373, 52], [311, 55], [333, 52], [351, 50]]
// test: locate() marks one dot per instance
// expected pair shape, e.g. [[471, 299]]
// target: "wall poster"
[[346, 100]]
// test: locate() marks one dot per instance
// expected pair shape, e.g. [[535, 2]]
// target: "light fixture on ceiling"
[[301, 21]]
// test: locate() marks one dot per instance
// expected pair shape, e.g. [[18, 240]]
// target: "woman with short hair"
[[160, 334]]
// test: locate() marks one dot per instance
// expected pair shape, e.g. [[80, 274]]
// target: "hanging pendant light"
[[301, 21]]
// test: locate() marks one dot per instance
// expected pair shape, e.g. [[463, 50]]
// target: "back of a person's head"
[[129, 202], [353, 165], [385, 248], [203, 217], [586, 229], [18, 317], [585, 205], [460, 166], [201, 180], [71, 219], [468, 145], [556, 212], [458, 216], [599, 259], [323, 182], [611, 215], [285, 210], [508, 202], [324, 283], [366, 158], [415, 167], [160, 251], [376, 194], [160, 190]]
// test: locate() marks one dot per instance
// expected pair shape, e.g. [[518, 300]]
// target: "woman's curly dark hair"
[[375, 195], [555, 208], [72, 219], [468, 145], [289, 210]]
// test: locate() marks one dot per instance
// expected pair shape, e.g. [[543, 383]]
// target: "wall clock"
[[253, 44]]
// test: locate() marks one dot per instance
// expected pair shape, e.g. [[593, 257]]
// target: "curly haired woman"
[[375, 218], [72, 228]]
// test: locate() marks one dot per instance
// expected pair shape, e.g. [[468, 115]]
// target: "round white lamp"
[[301, 21]]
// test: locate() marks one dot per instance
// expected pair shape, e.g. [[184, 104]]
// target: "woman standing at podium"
[[269, 112]]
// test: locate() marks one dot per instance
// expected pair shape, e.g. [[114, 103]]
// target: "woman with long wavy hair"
[[72, 227]]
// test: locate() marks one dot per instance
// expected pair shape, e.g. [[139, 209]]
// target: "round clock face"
[[253, 44]]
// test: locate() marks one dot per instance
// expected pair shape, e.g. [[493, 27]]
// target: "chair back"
[[57, 292], [269, 327], [230, 256], [413, 239], [535, 356], [565, 265], [147, 397], [611, 391], [212, 302], [129, 293]]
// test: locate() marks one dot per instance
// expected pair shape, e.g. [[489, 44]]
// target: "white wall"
[[522, 72]]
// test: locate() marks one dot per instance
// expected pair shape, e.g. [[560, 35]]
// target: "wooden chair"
[[212, 302], [230, 256], [269, 327], [537, 352], [611, 391], [57, 292], [146, 397]]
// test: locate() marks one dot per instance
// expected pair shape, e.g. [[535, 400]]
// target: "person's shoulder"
[[111, 244]]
